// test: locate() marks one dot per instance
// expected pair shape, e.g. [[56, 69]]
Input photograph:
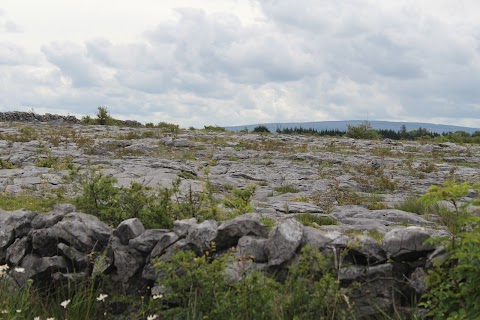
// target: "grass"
[[411, 204], [285, 189], [311, 220], [28, 202]]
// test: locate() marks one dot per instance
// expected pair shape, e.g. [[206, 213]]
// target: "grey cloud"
[[73, 63], [12, 27]]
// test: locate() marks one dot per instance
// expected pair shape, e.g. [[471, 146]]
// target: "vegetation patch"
[[311, 220]]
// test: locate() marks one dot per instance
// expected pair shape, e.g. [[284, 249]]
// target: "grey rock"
[[315, 238], [78, 259], [366, 251], [283, 241], [17, 250], [147, 240], [84, 232], [128, 264], [50, 218], [252, 248], [245, 225], [13, 224], [129, 229], [404, 244], [181, 227], [358, 215], [417, 281], [202, 235], [41, 268], [165, 241]]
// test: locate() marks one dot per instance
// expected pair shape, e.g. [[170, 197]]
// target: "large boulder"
[[407, 244], [147, 240], [84, 232], [129, 229], [128, 265], [283, 241], [252, 248], [201, 236], [13, 224], [359, 215], [181, 227], [245, 225], [41, 268], [366, 251], [18, 250], [379, 288], [165, 241]]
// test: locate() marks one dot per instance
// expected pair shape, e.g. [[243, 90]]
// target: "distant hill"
[[342, 125]]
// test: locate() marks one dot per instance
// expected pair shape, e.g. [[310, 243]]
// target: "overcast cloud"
[[233, 62]]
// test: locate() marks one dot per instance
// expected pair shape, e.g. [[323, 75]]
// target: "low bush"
[[200, 288]]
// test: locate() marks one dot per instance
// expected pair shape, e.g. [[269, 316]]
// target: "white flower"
[[50, 318], [157, 296], [4, 267], [36, 318], [20, 270], [4, 312], [18, 311], [152, 317], [65, 303], [102, 297]]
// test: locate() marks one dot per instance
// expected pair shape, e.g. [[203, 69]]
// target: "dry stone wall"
[[65, 244]]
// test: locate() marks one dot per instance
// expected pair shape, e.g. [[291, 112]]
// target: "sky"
[[232, 62]]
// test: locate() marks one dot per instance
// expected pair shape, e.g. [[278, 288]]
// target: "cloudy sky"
[[232, 62]]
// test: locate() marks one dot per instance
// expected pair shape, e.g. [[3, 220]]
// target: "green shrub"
[[199, 288], [362, 131], [214, 128], [261, 129], [239, 200], [99, 195], [453, 285]]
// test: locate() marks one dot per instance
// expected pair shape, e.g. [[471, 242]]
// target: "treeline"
[[331, 133], [365, 131]]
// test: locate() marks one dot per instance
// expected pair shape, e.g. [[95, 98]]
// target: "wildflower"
[[65, 303], [20, 270], [157, 296], [36, 318], [4, 312], [152, 317], [50, 318], [4, 267], [102, 297], [18, 311]]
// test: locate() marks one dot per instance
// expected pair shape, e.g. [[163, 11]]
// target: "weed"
[[311, 220], [4, 164], [285, 189], [270, 223]]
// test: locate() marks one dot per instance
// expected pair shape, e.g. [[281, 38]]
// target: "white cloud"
[[235, 62]]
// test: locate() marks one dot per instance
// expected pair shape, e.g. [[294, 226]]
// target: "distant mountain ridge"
[[343, 125]]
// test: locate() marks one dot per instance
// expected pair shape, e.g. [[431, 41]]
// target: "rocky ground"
[[293, 174], [357, 183]]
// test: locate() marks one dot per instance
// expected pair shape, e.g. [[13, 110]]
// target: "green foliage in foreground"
[[99, 195], [199, 288], [453, 283]]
